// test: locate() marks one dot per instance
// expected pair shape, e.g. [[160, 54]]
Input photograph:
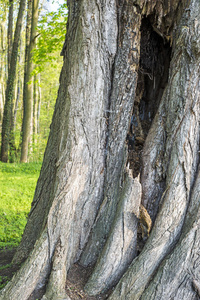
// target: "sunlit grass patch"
[[17, 186]]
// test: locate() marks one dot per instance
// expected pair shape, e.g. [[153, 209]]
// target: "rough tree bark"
[[124, 136]]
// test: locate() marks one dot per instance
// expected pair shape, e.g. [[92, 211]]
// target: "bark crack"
[[86, 137], [123, 238]]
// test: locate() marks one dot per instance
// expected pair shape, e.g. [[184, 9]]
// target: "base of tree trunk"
[[121, 164]]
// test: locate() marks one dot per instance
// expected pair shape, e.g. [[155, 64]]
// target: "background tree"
[[7, 115], [10, 31], [18, 86], [35, 109], [119, 68], [51, 27], [28, 94], [47, 60], [2, 59]]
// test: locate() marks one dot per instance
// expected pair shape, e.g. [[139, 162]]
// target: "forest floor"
[[17, 186], [77, 277], [7, 269]]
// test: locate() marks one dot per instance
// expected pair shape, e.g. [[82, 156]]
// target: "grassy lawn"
[[17, 186]]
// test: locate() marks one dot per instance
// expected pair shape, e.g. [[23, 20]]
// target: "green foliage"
[[48, 62], [17, 186], [4, 4], [51, 36], [37, 149]]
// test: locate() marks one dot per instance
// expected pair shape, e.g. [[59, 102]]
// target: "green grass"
[[17, 186]]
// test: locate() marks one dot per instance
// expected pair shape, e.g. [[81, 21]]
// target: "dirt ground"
[[7, 269], [76, 279]]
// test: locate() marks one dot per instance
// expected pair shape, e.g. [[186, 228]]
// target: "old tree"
[[124, 136]]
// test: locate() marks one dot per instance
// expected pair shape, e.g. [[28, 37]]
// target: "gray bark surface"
[[118, 118], [179, 110], [121, 246], [178, 276], [86, 205]]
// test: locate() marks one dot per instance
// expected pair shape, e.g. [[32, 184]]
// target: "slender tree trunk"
[[12, 145], [17, 102], [129, 96], [10, 86], [19, 84], [28, 94], [10, 32], [35, 109], [1, 102], [2, 68], [27, 43], [39, 105]]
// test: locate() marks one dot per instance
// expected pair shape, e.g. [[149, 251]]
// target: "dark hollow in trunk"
[[155, 55]]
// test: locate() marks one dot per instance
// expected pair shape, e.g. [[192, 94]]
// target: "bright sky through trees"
[[53, 4]]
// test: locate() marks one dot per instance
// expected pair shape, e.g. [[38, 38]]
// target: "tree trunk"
[[2, 69], [124, 136], [9, 53], [35, 109], [39, 105], [28, 94], [7, 115], [18, 92], [10, 32], [12, 144]]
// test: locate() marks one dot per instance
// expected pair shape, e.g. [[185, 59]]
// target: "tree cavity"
[[155, 53]]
